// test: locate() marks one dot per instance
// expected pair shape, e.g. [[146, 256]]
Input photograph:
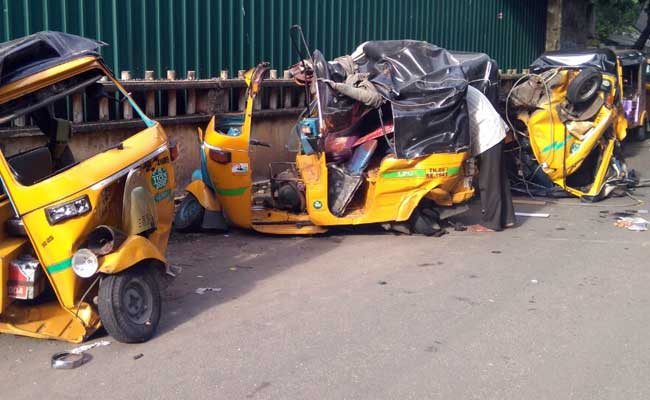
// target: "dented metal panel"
[[211, 35]]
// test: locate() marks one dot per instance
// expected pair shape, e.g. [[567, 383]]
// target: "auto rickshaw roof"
[[35, 53], [602, 59], [629, 57]]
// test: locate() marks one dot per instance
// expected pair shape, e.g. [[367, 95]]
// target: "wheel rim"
[[588, 89], [190, 210], [137, 300]]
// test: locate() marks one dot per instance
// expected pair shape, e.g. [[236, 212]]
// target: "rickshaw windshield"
[[48, 109]]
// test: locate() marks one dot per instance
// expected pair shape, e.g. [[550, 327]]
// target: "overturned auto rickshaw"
[[569, 122], [392, 147], [82, 241], [634, 74]]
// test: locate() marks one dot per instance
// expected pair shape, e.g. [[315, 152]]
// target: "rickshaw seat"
[[32, 165], [361, 157]]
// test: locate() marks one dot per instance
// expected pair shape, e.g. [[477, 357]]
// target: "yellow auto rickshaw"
[[403, 163], [634, 78], [569, 123], [82, 241]]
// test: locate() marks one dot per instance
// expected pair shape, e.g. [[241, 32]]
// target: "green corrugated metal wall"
[[208, 36]]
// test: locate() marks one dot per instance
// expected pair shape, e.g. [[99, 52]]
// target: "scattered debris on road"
[[203, 290], [532, 215], [76, 357], [138, 356], [68, 360], [86, 347], [636, 224]]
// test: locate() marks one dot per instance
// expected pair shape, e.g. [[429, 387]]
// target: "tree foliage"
[[616, 16]]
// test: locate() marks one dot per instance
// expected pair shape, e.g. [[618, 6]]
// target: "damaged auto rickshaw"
[[384, 139], [569, 122], [82, 241], [634, 78]]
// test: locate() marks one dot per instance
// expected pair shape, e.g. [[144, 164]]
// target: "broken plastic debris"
[[634, 224], [203, 290], [534, 215], [86, 347], [535, 281]]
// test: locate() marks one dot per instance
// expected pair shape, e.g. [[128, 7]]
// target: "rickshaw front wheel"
[[189, 215], [130, 304]]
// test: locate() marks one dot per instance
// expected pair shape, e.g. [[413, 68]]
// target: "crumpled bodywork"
[[423, 84]]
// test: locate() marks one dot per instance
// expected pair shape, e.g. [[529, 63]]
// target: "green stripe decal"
[[405, 173], [554, 146], [58, 267], [422, 173], [231, 192]]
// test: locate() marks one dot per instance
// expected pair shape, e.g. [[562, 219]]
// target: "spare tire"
[[584, 86]]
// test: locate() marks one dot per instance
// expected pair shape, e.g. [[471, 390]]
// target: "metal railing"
[[173, 101]]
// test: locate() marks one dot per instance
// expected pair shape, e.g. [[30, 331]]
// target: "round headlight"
[[84, 263]]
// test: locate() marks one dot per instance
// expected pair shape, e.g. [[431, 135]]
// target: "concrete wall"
[[273, 130]]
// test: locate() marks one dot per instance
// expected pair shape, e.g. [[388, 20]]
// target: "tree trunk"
[[640, 42]]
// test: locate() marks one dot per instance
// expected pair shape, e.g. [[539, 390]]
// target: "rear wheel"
[[130, 304], [189, 214]]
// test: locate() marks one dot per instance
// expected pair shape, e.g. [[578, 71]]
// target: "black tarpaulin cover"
[[630, 57], [425, 86], [39, 51], [481, 71], [602, 59]]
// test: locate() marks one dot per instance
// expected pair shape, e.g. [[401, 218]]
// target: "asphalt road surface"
[[556, 308]]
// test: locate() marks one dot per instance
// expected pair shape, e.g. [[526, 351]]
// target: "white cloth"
[[486, 127]]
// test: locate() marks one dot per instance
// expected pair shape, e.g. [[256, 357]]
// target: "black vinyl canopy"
[[481, 71], [37, 52], [629, 57], [424, 85], [601, 59]]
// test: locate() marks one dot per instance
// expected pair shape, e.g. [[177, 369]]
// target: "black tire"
[[584, 86], [421, 224], [189, 214], [638, 134], [130, 304]]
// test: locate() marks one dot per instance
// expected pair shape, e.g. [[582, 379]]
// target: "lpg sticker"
[[159, 178], [240, 168]]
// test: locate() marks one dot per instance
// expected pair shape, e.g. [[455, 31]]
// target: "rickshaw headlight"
[[84, 263], [61, 212]]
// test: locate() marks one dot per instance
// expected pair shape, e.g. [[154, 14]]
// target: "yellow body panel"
[[204, 195], [559, 152], [394, 189], [134, 250], [101, 178]]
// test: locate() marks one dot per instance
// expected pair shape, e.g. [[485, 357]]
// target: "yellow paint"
[[101, 178], [206, 196], [552, 144], [394, 189], [134, 250]]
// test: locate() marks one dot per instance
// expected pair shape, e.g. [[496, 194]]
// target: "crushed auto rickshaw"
[[82, 241], [384, 139], [634, 78], [569, 122]]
